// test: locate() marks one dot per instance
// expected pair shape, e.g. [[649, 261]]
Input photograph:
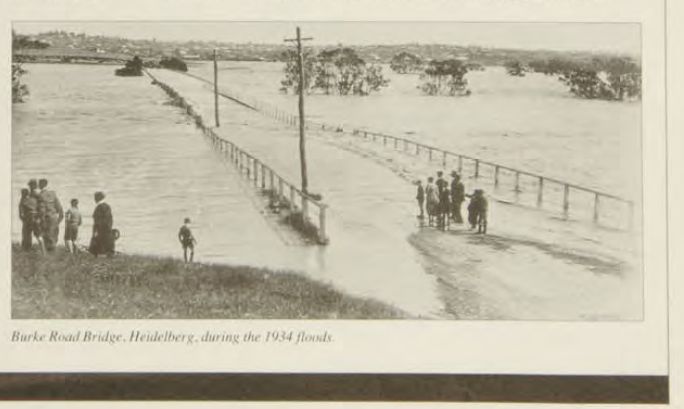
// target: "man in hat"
[[442, 185], [457, 197], [51, 214], [187, 240], [102, 241]]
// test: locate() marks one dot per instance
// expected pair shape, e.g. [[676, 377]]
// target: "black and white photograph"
[[327, 170]]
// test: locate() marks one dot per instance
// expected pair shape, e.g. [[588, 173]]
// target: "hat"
[[455, 174], [32, 183]]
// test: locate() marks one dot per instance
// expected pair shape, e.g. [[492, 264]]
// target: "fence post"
[[540, 192], [566, 200], [596, 207], [496, 176], [322, 236], [256, 173], [405, 145], [271, 181], [305, 208], [281, 189], [444, 156], [396, 143], [384, 140], [249, 168], [263, 177], [417, 149], [477, 168]]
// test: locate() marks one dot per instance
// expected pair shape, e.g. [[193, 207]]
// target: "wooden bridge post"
[[417, 149], [384, 140], [477, 168], [496, 176], [263, 177], [322, 234], [444, 159], [566, 200], [256, 172], [540, 192], [405, 145], [305, 207], [396, 143], [281, 188], [596, 207], [271, 180]]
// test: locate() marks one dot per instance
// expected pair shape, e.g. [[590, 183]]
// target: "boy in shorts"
[[187, 240], [72, 221]]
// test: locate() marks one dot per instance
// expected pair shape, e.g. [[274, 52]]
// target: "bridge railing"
[[509, 183], [304, 212]]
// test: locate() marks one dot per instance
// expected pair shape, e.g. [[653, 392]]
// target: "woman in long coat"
[[102, 241]]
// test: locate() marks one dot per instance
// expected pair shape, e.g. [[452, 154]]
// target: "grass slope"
[[133, 287]]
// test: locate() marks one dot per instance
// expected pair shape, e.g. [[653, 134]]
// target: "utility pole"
[[216, 111], [302, 140]]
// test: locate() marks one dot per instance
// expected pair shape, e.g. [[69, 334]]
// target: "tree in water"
[[445, 77], [514, 68], [406, 63], [19, 90], [336, 71]]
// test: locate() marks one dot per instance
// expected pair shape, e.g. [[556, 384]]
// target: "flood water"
[[86, 130]]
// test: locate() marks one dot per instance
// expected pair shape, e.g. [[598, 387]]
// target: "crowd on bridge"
[[442, 202], [41, 214]]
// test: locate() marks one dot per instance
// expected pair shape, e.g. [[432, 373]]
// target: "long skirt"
[[102, 242]]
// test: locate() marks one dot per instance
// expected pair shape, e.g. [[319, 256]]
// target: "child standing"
[[187, 240], [72, 221], [420, 197]]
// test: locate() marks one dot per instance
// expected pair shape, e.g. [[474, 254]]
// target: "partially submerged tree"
[[514, 68], [335, 71], [19, 90], [173, 63], [406, 63], [445, 77]]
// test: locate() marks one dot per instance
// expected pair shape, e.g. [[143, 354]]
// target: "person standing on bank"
[[32, 215], [26, 219], [72, 221], [420, 197], [187, 240], [102, 241], [443, 221], [457, 197], [51, 214]]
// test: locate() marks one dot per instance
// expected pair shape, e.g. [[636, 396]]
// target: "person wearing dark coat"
[[444, 205], [420, 197], [477, 211], [51, 214], [457, 197], [102, 241]]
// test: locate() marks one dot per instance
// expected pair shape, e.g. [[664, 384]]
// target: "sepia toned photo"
[[327, 170]]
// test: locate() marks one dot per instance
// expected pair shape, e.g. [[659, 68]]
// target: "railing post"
[[566, 200], [305, 208], [540, 192], [405, 145], [496, 176], [384, 140], [263, 177], [322, 236], [256, 172], [281, 189], [596, 207], [249, 168], [271, 181], [477, 168], [417, 149], [444, 156], [396, 143], [365, 135]]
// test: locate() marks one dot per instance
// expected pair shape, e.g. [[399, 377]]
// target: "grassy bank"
[[133, 287]]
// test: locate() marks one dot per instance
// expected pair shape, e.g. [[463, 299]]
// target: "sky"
[[620, 38]]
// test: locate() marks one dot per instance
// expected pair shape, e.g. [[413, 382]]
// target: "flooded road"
[[87, 130]]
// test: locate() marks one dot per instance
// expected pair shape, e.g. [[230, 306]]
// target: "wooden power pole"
[[216, 110], [302, 140]]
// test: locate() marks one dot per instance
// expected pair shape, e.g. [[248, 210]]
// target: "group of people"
[[442, 202], [41, 215]]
